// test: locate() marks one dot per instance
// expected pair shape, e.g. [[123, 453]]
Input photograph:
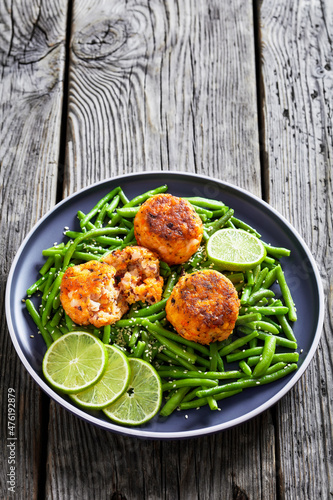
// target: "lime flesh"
[[74, 362], [235, 249], [111, 386], [143, 398]]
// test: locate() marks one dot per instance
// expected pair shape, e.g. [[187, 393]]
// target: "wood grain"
[[297, 75], [160, 86], [31, 63]]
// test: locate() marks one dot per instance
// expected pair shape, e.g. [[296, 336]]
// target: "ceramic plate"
[[300, 270]]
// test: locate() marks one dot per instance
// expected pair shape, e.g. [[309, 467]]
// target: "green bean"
[[256, 296], [54, 331], [174, 348], [156, 327], [267, 310], [129, 237], [197, 403], [129, 212], [37, 319], [286, 294], [51, 296], [263, 325], [276, 252], [106, 334], [101, 215], [112, 205], [203, 211], [153, 309], [177, 372], [245, 353], [173, 402], [86, 256], [270, 278], [237, 343], [219, 223], [246, 294], [188, 382], [281, 341], [266, 357], [249, 276], [259, 279], [172, 280], [247, 318], [276, 367], [138, 349], [84, 236], [205, 202], [245, 368], [57, 317], [246, 227], [286, 357], [99, 205], [178, 360], [37, 285], [287, 330], [248, 382], [49, 263]]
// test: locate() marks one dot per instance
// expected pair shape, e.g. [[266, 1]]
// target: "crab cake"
[[137, 274], [203, 307], [169, 226], [89, 296]]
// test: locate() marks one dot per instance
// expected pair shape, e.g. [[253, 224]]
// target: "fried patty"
[[169, 226], [203, 307]]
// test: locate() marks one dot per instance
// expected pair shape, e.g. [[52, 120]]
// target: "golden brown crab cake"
[[137, 274], [169, 226], [89, 296], [203, 307]]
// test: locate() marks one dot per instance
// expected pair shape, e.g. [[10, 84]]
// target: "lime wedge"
[[143, 398], [235, 249], [75, 362], [111, 386]]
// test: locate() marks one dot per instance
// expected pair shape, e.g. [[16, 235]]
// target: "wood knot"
[[100, 40]]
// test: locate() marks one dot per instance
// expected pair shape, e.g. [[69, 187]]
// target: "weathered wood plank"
[[158, 86], [32, 36], [298, 102], [162, 85]]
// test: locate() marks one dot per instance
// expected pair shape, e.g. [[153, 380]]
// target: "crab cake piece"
[[203, 307], [89, 296], [169, 226], [137, 274]]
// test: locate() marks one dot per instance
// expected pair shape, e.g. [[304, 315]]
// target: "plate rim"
[[136, 431]]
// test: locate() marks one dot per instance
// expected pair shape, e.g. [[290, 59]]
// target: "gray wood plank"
[[32, 53], [298, 101], [161, 86]]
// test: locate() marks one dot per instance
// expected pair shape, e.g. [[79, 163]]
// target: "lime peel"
[[111, 386], [143, 398], [75, 362], [235, 249]]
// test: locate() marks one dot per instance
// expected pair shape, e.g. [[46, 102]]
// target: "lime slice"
[[235, 249], [111, 386], [143, 398], [75, 362]]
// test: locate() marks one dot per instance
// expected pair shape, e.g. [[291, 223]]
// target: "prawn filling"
[[169, 226], [137, 274], [89, 296], [203, 307]]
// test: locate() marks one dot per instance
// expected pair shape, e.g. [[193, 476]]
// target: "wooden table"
[[241, 91]]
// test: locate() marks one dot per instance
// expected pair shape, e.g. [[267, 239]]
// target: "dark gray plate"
[[300, 270]]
